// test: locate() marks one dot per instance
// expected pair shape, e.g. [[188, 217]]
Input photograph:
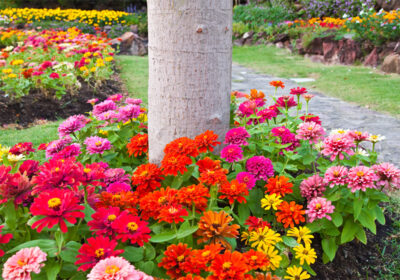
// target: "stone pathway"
[[333, 112]]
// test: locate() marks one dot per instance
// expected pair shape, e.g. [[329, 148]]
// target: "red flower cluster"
[[138, 145], [211, 172], [146, 178], [234, 191], [22, 149]]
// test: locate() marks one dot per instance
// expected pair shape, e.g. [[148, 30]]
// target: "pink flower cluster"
[[319, 208], [311, 132], [232, 153], [237, 136], [312, 187], [261, 167], [72, 124], [336, 145]]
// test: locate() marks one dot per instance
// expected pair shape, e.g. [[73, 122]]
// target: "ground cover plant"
[[90, 201]]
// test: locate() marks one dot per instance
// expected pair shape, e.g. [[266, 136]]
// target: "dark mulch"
[[38, 105], [356, 261]]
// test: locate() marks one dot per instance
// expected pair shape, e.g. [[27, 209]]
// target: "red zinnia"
[[103, 219], [22, 148], [147, 177], [129, 227], [279, 185], [4, 238], [98, 248], [56, 205], [174, 260], [172, 214], [298, 91], [172, 164], [206, 141], [16, 187], [208, 164], [138, 145], [255, 223], [234, 191], [182, 146], [290, 214], [194, 195], [228, 266]]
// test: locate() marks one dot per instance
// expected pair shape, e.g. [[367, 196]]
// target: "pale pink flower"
[[335, 145], [388, 176], [310, 131], [361, 178], [308, 96], [97, 145], [319, 208], [116, 268], [336, 175], [313, 186], [133, 101], [25, 261]]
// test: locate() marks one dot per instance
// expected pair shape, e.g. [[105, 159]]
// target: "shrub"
[[336, 8]]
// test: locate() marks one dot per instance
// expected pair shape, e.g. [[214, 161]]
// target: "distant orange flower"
[[234, 191], [256, 260], [208, 164], [152, 203], [172, 164], [191, 277], [214, 227], [206, 141], [194, 194], [174, 259], [27, 73], [122, 200], [138, 145], [279, 185], [228, 266], [267, 276], [213, 177], [277, 84], [147, 177], [183, 146], [290, 214], [255, 94], [173, 213]]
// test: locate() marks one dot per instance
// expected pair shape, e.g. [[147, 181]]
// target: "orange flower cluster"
[[290, 214], [255, 94], [179, 260], [234, 191], [279, 185], [211, 172], [122, 200], [277, 84], [206, 141], [138, 145], [147, 177], [194, 195]]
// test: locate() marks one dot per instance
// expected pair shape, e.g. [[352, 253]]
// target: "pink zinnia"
[[335, 145], [118, 187], [129, 112], [116, 175], [358, 136], [336, 175], [108, 115], [311, 118], [247, 178], [237, 136], [313, 186], [232, 153], [298, 91], [104, 107], [319, 208], [286, 101], [56, 146], [285, 137], [311, 132], [361, 178], [97, 145], [115, 97], [25, 261], [92, 101], [133, 101], [72, 150], [266, 114], [388, 175], [247, 108], [72, 124], [260, 166], [54, 75], [116, 268]]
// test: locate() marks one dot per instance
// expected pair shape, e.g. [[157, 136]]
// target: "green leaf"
[[11, 215], [254, 202], [52, 270], [330, 247], [309, 269], [146, 267], [149, 251], [163, 237], [349, 230], [357, 207], [46, 245], [361, 236], [186, 229], [315, 226], [379, 215], [67, 270], [337, 219], [89, 211], [290, 241], [308, 158], [285, 261], [244, 212], [69, 253], [367, 220], [133, 254]]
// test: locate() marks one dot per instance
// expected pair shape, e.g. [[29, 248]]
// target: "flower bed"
[[91, 202]]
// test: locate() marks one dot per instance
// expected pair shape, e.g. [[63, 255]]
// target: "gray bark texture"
[[190, 64]]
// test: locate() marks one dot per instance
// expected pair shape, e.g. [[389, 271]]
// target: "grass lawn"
[[357, 84]]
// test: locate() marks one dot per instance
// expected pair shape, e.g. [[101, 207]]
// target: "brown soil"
[[38, 106], [356, 261]]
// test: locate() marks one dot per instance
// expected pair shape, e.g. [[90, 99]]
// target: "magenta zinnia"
[[56, 206], [237, 136], [97, 145], [232, 153], [260, 166], [72, 124], [129, 227], [103, 220], [247, 178], [319, 208]]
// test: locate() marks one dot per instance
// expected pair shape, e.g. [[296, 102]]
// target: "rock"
[[372, 59], [315, 47], [349, 51], [315, 58], [388, 5], [130, 44], [238, 42], [134, 28], [299, 47], [248, 35], [281, 38], [329, 49], [391, 64], [138, 47], [279, 45], [397, 48]]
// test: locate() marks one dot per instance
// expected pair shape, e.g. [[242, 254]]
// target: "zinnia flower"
[[129, 227], [286, 101], [255, 223], [22, 149], [56, 146], [358, 136], [313, 186], [194, 195], [129, 112], [262, 238], [147, 177], [228, 266], [172, 164], [97, 145], [173, 213], [214, 227], [279, 185], [56, 206], [23, 263], [388, 176], [311, 132], [301, 233], [16, 187], [237, 136], [290, 214], [232, 153], [234, 191], [183, 146], [318, 208], [277, 84], [118, 187], [138, 145], [4, 239], [72, 124], [102, 219], [174, 260], [206, 141], [104, 106], [336, 175], [296, 273], [305, 254], [271, 201], [335, 145], [247, 178], [247, 108], [361, 178], [285, 136], [260, 166], [54, 75], [97, 248], [311, 118], [298, 91], [133, 101]]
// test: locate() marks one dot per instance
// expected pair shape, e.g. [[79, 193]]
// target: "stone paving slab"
[[334, 113]]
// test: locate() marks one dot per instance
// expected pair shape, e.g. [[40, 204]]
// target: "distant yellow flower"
[[109, 58], [272, 200], [11, 76], [262, 238], [7, 71], [245, 237], [142, 118], [17, 62], [103, 132], [93, 69], [301, 233], [305, 253], [296, 273]]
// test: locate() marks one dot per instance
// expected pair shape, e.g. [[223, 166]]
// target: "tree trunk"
[[190, 64]]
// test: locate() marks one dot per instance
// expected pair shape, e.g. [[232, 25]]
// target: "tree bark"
[[190, 64]]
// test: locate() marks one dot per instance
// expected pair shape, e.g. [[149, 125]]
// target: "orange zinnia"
[[213, 177], [183, 146], [194, 195], [214, 227], [172, 164], [138, 145], [228, 266], [173, 213], [267, 276], [174, 259], [234, 191], [277, 84], [208, 164], [206, 141], [147, 177], [256, 260], [122, 200], [290, 213], [200, 259], [255, 94], [279, 185], [152, 204]]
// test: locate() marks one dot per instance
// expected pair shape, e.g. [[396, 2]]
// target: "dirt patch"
[[355, 260], [39, 106]]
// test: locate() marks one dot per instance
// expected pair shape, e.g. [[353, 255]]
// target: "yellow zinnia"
[[274, 258], [272, 200], [306, 254], [262, 238], [296, 273], [302, 234]]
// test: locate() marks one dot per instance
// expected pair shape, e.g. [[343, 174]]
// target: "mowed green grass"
[[134, 73], [356, 84]]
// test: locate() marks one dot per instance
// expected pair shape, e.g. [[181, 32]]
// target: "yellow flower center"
[[309, 128], [99, 252], [111, 269], [111, 217], [162, 199], [54, 202], [87, 170], [335, 173], [205, 253], [132, 226], [144, 173], [98, 143], [172, 210], [360, 173], [180, 258], [116, 197], [57, 169], [226, 265], [318, 206], [253, 258], [21, 262]]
